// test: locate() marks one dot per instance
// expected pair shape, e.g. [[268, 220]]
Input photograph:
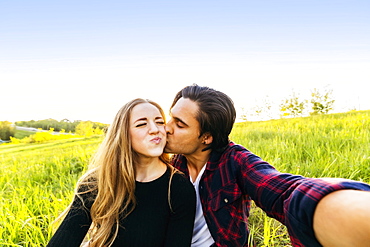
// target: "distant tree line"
[[82, 128], [6, 130], [321, 103], [294, 106], [63, 125]]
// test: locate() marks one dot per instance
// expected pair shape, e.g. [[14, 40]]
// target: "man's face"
[[183, 129]]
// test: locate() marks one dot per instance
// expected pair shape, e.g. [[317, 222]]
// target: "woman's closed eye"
[[140, 124], [160, 123]]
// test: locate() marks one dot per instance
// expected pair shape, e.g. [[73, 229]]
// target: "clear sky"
[[82, 60]]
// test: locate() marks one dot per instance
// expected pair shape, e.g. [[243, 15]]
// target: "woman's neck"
[[149, 169]]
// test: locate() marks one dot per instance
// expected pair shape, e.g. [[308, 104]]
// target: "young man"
[[227, 176]]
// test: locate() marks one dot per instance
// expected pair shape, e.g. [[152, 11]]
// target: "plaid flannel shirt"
[[236, 176]]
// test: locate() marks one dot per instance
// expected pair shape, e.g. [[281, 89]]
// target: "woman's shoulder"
[[182, 192], [87, 184], [180, 183], [87, 190], [180, 177]]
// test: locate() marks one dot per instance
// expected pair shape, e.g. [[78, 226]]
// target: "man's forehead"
[[185, 106], [185, 109]]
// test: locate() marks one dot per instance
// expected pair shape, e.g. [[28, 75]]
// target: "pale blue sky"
[[84, 59]]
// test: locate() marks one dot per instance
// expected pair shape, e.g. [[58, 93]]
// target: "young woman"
[[131, 196]]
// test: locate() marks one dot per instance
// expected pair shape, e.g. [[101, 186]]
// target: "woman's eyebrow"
[[145, 119], [140, 119]]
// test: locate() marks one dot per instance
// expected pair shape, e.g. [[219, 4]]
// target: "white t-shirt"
[[201, 235]]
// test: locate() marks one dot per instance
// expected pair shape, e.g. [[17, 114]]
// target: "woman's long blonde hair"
[[111, 177]]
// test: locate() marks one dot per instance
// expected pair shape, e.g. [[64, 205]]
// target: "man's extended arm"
[[342, 218], [293, 200]]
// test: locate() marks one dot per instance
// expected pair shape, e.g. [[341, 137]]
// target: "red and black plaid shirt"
[[234, 177]]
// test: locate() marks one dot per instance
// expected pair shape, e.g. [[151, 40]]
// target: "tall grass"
[[37, 180], [36, 184], [336, 145]]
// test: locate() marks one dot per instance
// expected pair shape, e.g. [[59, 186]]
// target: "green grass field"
[[36, 183], [334, 145], [37, 180]]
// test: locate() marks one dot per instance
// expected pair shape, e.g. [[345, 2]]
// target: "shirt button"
[[225, 200]]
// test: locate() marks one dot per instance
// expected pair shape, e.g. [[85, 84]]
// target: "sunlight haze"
[[82, 60]]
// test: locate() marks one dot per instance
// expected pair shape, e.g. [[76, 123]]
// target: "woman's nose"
[[153, 128]]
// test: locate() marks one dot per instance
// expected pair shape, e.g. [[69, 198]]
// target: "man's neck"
[[196, 162]]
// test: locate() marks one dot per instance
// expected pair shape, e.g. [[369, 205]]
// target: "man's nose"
[[168, 127]]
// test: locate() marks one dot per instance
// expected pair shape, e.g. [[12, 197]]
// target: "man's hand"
[[342, 219]]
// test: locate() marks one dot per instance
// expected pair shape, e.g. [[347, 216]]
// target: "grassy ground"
[[37, 180], [20, 134], [36, 183], [335, 145]]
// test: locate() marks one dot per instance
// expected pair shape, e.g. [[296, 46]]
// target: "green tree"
[[321, 103], [243, 115], [263, 109], [292, 106], [85, 128], [6, 130]]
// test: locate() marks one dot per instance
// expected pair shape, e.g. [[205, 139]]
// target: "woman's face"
[[147, 130]]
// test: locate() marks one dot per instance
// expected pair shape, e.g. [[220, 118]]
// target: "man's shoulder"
[[236, 147], [179, 162], [233, 154], [233, 149]]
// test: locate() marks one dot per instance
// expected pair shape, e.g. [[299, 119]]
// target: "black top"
[[151, 224]]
